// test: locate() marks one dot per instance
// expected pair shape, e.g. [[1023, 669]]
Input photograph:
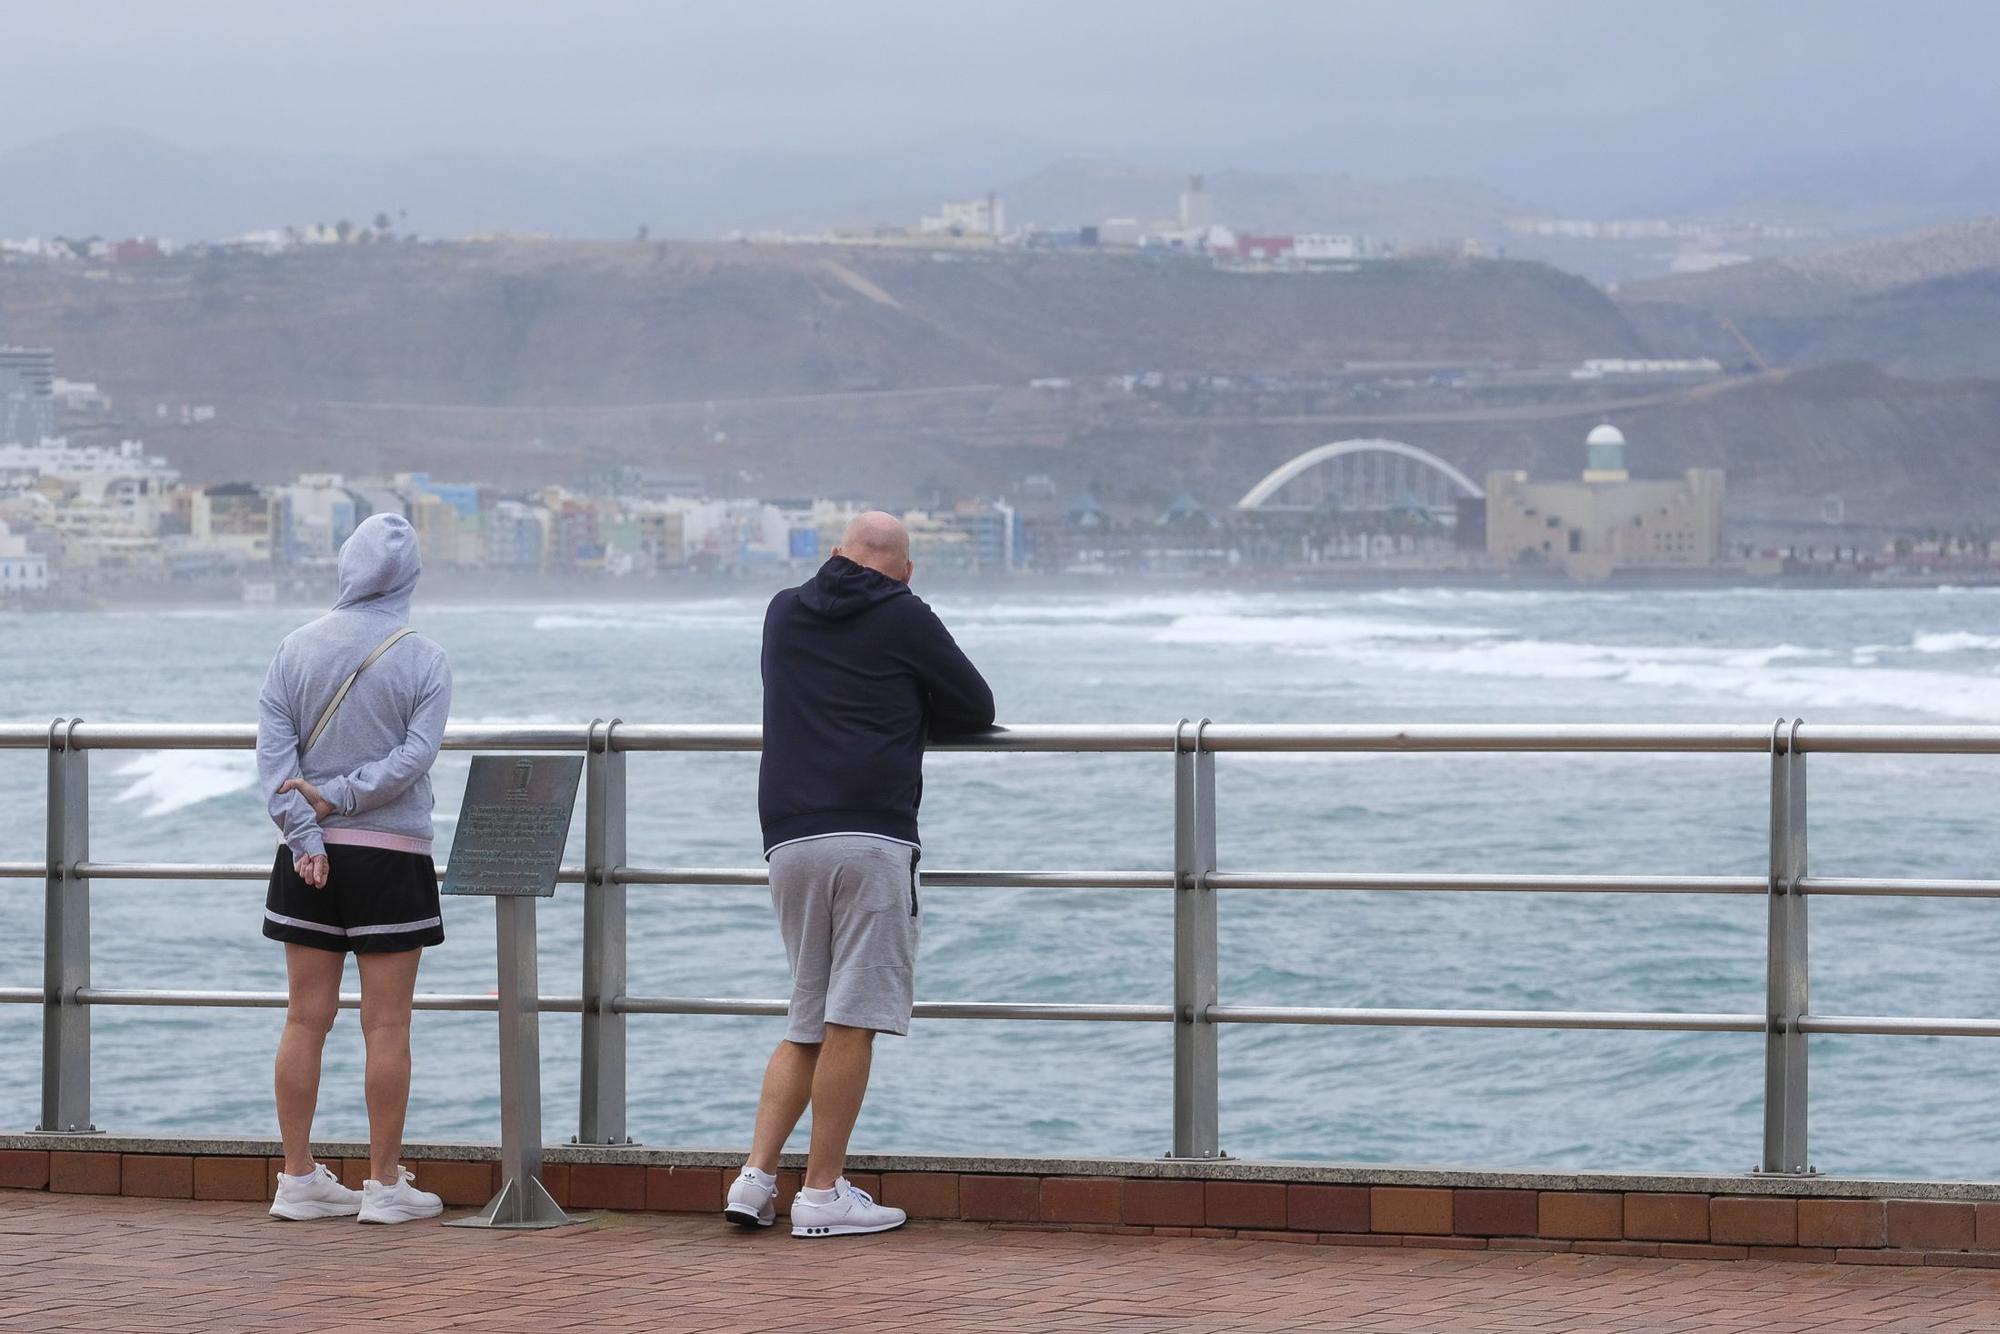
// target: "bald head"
[[880, 542]]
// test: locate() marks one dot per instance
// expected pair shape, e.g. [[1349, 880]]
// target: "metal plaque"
[[513, 826]]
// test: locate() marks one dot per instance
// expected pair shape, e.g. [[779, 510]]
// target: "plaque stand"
[[523, 1202]]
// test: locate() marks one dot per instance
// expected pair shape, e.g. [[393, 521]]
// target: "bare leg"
[[788, 1085], [313, 997], [387, 983], [839, 1083]]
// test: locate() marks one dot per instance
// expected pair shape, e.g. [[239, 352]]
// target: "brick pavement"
[[120, 1264]]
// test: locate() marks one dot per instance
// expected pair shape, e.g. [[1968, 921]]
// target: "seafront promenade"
[[108, 1230], [79, 1263]]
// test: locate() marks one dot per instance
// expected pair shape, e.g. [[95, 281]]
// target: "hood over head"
[[379, 565], [842, 589]]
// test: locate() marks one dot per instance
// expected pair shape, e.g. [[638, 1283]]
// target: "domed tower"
[[1606, 444]]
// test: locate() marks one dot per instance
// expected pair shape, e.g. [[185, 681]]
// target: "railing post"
[[1786, 992], [1196, 1133], [66, 939], [601, 1112]]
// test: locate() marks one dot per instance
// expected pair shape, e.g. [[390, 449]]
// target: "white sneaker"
[[851, 1210], [398, 1203], [317, 1194], [751, 1202]]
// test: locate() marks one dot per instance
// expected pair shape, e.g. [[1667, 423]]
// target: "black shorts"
[[375, 902]]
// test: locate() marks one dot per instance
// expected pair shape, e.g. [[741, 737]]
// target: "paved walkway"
[[83, 1263]]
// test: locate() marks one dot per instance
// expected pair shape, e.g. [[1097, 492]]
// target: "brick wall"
[[1674, 1224]]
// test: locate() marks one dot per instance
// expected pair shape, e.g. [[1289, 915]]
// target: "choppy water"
[[1687, 1101]]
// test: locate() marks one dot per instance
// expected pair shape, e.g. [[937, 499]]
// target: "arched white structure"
[[1257, 495]]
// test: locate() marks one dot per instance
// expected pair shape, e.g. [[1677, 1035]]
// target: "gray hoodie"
[[373, 762]]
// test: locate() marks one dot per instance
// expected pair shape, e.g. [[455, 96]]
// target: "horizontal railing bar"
[[243, 736], [1247, 737], [1578, 737], [1590, 1019], [1901, 889], [1582, 884], [923, 1010], [690, 875], [757, 875], [1610, 1020], [276, 1000], [1042, 737], [1865, 739], [1272, 880], [1898, 1026], [568, 875]]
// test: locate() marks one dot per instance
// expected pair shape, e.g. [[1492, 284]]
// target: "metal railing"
[[68, 995]]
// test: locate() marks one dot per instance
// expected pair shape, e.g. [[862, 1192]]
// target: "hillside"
[[1922, 303], [895, 375], [592, 325]]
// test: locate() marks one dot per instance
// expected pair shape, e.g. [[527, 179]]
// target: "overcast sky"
[[1580, 103]]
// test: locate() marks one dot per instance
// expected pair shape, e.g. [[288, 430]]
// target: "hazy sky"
[[1578, 102]]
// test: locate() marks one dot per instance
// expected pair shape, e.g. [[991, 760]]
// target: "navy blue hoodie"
[[858, 674]]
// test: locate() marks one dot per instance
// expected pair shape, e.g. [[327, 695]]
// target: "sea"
[[1914, 1107]]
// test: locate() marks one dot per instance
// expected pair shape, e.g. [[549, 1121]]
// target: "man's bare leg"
[[788, 1087], [838, 1086]]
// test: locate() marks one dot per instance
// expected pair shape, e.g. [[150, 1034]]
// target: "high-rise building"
[[27, 395], [1197, 206]]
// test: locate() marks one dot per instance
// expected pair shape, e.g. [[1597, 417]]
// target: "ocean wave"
[[1784, 675], [1308, 633], [1954, 641], [173, 780]]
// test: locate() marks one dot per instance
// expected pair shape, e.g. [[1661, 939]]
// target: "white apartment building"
[[22, 572]]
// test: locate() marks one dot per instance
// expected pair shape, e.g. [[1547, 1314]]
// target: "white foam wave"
[[1308, 633], [1784, 675], [173, 780], [1954, 641]]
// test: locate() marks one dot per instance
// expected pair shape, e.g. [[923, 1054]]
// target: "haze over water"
[[1911, 1106]]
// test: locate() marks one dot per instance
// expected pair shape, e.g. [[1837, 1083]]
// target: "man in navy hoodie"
[[858, 674]]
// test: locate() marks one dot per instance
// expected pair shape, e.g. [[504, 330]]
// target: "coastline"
[[474, 589]]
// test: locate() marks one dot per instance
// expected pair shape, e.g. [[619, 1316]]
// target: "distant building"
[[232, 517], [939, 545], [312, 517], [968, 217], [1312, 247], [27, 395], [662, 536], [995, 532], [1606, 522], [1197, 206], [517, 536], [1262, 249], [23, 573]]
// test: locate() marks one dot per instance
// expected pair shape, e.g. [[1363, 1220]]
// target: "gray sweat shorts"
[[847, 908]]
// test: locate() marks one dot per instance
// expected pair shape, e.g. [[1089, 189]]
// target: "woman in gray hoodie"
[[351, 716]]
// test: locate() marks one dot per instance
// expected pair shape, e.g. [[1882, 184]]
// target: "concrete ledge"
[[1855, 1220], [1223, 1169]]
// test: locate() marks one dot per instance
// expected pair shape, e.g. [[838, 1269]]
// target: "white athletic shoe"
[[751, 1203], [851, 1210], [398, 1203], [317, 1194]]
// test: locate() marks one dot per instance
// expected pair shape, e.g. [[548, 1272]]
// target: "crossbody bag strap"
[[348, 685]]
